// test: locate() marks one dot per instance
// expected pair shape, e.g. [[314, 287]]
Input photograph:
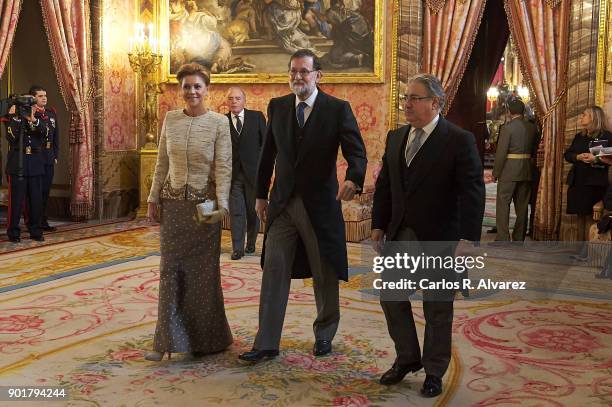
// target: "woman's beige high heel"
[[156, 356]]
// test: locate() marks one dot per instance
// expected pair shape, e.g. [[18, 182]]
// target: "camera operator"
[[50, 147], [25, 168]]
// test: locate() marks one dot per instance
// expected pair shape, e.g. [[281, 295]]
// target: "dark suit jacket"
[[582, 173], [246, 146], [445, 198], [308, 169]]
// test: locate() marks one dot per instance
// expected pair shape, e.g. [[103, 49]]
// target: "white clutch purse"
[[206, 208]]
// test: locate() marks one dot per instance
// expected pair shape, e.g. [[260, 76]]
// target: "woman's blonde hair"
[[193, 69], [599, 120]]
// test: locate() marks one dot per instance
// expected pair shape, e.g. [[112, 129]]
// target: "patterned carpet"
[[80, 313], [491, 200]]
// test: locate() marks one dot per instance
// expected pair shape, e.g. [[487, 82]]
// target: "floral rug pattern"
[[88, 332]]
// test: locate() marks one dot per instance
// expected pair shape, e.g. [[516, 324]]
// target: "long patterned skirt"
[[191, 314]]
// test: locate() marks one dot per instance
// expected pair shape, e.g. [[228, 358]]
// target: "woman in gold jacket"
[[195, 143]]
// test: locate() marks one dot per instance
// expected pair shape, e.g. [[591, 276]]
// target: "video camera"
[[23, 104]]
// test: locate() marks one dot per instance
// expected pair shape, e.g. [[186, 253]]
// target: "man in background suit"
[[247, 128], [514, 171], [430, 189], [50, 147], [304, 224]]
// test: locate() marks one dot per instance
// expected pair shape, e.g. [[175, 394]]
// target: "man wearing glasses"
[[430, 189], [303, 215]]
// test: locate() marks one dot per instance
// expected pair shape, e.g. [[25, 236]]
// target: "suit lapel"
[[427, 155], [290, 121], [397, 159], [313, 125], [233, 132], [244, 120]]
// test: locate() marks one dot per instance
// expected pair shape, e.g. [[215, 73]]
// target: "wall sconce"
[[145, 59], [523, 93], [493, 94]]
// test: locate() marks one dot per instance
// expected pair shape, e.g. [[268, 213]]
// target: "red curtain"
[[540, 29], [8, 23], [449, 32], [68, 27]]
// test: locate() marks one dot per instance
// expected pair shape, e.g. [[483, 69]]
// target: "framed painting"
[[250, 41]]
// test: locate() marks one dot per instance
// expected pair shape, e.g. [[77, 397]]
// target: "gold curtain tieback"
[[554, 106]]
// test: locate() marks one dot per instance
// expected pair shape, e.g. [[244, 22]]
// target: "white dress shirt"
[[427, 130], [241, 115]]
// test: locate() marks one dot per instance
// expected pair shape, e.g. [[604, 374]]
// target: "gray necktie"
[[238, 124], [414, 146]]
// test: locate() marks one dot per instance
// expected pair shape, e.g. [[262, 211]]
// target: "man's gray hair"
[[239, 88], [433, 86]]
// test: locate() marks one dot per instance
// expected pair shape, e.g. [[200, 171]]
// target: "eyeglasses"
[[303, 72], [414, 98]]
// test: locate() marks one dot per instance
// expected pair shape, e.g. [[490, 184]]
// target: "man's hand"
[[378, 239], [261, 208], [56, 160], [31, 117], [152, 211], [347, 191]]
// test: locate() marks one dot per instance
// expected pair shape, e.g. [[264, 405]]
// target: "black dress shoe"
[[579, 257], [38, 238], [396, 373], [256, 355], [432, 386], [250, 249], [237, 255], [48, 228], [605, 273], [321, 347], [14, 239]]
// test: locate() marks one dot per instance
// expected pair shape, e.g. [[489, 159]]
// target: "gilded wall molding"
[[604, 52]]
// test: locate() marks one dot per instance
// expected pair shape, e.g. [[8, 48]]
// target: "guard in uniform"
[[514, 157], [25, 178], [50, 148]]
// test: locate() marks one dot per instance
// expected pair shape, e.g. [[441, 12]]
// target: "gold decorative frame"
[[604, 51], [161, 18], [394, 91]]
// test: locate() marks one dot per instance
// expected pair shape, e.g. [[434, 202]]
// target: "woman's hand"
[[152, 211], [586, 157], [214, 217], [606, 159]]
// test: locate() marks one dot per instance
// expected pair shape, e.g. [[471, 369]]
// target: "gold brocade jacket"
[[194, 158]]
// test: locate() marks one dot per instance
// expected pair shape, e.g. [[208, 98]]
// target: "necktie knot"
[[300, 113]]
